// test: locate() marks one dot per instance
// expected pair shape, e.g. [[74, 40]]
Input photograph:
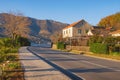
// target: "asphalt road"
[[87, 68]]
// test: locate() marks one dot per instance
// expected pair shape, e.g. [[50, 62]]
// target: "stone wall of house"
[[84, 27], [77, 41], [79, 48]]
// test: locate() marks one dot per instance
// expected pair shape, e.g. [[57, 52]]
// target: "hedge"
[[60, 45], [99, 48]]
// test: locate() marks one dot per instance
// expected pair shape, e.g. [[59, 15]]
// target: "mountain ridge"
[[43, 27]]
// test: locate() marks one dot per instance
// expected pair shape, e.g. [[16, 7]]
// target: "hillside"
[[45, 27], [42, 27]]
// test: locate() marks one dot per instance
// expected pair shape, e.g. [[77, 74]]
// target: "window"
[[86, 31], [79, 31], [64, 32], [69, 30]]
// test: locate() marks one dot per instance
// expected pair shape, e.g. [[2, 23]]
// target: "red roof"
[[73, 24]]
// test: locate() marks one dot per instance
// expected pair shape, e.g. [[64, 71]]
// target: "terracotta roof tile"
[[73, 24]]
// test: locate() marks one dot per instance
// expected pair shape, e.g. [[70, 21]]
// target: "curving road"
[[87, 68]]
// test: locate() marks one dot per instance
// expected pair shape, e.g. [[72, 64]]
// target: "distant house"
[[77, 29], [115, 33], [101, 31]]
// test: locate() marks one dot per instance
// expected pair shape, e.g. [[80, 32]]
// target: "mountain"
[[45, 27], [42, 27]]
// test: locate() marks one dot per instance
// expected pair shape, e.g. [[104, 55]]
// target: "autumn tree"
[[15, 25], [112, 21]]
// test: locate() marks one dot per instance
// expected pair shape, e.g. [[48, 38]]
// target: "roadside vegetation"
[[16, 29], [105, 45], [10, 65], [108, 47]]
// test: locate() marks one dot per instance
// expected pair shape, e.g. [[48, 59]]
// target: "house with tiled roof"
[[78, 29], [100, 31], [115, 33]]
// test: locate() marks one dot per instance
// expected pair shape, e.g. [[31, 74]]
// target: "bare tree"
[[57, 36], [16, 25]]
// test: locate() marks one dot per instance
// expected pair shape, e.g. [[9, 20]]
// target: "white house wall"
[[68, 32], [90, 33], [117, 34], [71, 31]]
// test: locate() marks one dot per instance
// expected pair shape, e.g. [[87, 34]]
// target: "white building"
[[80, 28], [115, 33]]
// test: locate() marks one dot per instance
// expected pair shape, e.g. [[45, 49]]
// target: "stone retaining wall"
[[79, 48]]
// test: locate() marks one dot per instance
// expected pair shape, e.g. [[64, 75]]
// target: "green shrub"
[[13, 65], [2, 57], [13, 50], [98, 48], [6, 54], [11, 57], [6, 42], [61, 45], [95, 39], [8, 50], [7, 57]]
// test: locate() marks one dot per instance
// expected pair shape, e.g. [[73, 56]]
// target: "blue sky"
[[66, 11]]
